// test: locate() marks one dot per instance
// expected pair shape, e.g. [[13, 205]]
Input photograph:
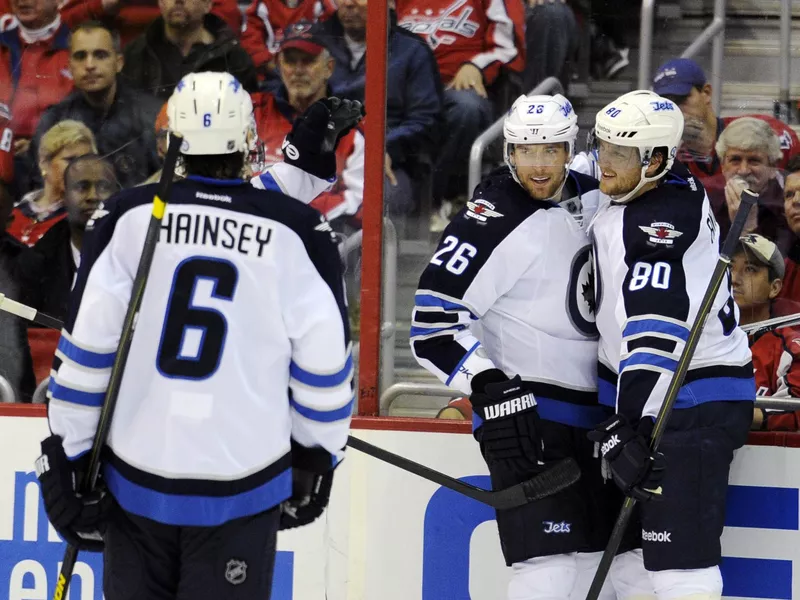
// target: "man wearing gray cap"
[[757, 270]]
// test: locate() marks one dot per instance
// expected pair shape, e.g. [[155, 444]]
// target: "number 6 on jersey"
[[193, 336]]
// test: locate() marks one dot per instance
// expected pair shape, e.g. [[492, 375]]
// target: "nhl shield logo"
[[236, 571]]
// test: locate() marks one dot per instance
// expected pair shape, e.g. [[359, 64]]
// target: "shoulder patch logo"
[[661, 233], [481, 210]]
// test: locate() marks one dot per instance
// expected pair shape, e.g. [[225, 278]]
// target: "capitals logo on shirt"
[[786, 141], [439, 27], [661, 233], [481, 210]]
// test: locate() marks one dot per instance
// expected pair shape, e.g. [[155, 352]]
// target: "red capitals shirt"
[[488, 33], [776, 360], [265, 21], [274, 118]]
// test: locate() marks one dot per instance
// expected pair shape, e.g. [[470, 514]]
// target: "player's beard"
[[620, 182], [545, 190]]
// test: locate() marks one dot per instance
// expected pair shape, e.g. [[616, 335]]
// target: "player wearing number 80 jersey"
[[236, 396]]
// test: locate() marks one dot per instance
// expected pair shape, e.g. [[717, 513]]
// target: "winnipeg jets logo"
[[481, 210], [553, 527], [661, 233], [439, 27]]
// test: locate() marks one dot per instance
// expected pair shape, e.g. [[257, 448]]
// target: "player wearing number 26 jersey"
[[236, 398]]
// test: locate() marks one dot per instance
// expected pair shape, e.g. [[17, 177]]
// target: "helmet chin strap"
[[643, 181]]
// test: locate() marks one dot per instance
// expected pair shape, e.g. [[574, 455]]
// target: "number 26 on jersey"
[[459, 255]]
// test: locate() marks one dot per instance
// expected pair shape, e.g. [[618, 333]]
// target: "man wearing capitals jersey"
[[305, 67], [504, 313], [472, 41]]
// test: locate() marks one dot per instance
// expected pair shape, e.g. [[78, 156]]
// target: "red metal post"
[[372, 216]]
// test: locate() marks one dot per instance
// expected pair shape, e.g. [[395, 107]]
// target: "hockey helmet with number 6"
[[213, 113], [645, 121]]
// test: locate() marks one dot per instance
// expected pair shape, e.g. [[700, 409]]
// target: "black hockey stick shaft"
[[560, 476], [748, 200], [160, 201], [26, 312]]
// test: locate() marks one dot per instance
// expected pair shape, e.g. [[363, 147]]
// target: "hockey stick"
[[26, 312], [762, 326], [748, 200], [562, 475], [160, 201]]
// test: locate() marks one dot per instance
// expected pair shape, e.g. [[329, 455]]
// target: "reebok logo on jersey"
[[214, 197], [553, 527], [481, 210], [661, 233], [657, 536], [609, 444], [509, 407]]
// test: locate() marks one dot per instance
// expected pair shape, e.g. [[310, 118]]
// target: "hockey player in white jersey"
[[656, 245], [516, 263], [235, 402]]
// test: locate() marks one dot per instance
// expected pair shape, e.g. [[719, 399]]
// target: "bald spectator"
[[684, 82], [120, 118], [749, 152], [265, 22], [184, 39], [413, 94], [131, 19], [33, 72]]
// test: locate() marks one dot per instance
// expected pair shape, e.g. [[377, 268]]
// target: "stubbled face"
[[541, 168], [184, 14], [93, 61], [750, 165], [304, 74], [353, 16], [620, 168], [791, 201]]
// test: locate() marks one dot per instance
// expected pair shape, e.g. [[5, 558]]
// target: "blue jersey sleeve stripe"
[[322, 381], [648, 358], [85, 358], [655, 326], [462, 361], [67, 394], [418, 331], [428, 300], [323, 416], [269, 183]]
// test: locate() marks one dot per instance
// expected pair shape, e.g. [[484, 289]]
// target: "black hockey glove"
[[79, 519], [312, 478], [311, 144], [510, 435], [635, 469]]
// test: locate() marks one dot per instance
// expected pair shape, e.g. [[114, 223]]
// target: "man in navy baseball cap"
[[677, 77]]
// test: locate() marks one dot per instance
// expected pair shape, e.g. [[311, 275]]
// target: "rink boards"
[[391, 536]]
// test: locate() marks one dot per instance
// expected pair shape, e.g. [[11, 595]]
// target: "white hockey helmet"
[[213, 113], [643, 120], [539, 120]]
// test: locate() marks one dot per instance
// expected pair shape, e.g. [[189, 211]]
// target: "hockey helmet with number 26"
[[640, 120], [213, 113]]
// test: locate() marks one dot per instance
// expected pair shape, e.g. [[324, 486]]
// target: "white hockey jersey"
[[241, 343], [653, 261], [510, 287]]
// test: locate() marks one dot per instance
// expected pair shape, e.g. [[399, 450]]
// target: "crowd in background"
[[83, 86]]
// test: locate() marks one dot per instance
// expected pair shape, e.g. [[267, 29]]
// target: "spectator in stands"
[[551, 39], [473, 41], [757, 269], [48, 270], [120, 118], [265, 21], [789, 300], [131, 19], [7, 18], [748, 151], [684, 82], [305, 66], [184, 39], [33, 73], [413, 94], [15, 356], [39, 210]]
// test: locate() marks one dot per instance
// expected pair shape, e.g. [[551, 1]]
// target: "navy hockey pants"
[[146, 560]]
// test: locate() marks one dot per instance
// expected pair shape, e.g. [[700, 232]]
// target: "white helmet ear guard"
[[645, 121], [540, 120]]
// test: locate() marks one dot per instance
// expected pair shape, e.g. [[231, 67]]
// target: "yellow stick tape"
[[159, 206]]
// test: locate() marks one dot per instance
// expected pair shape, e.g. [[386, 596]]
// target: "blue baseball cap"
[[677, 77]]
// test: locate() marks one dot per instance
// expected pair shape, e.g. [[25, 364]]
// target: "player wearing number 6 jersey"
[[504, 312], [656, 246], [236, 398]]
